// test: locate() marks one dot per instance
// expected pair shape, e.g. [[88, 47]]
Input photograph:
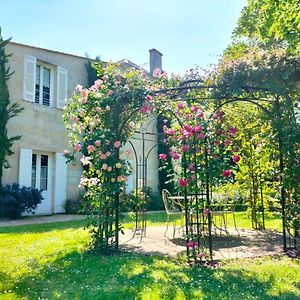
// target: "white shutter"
[[62, 87], [29, 73], [25, 167], [60, 192]]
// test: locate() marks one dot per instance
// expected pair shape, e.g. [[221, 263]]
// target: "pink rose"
[[103, 156], [98, 143], [227, 143], [145, 109], [175, 155], [206, 211], [201, 136], [120, 178], [232, 131], [201, 255], [194, 108], [198, 128], [235, 158], [191, 244], [185, 148], [90, 148], [182, 182], [180, 105], [117, 144], [110, 92], [148, 98], [66, 152], [163, 156], [226, 173], [191, 167], [77, 147]]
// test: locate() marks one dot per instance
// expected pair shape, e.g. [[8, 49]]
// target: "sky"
[[188, 33]]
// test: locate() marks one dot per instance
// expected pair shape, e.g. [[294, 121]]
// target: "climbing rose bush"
[[205, 141], [100, 120]]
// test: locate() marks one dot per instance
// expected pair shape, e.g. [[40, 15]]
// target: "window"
[[39, 171], [42, 85]]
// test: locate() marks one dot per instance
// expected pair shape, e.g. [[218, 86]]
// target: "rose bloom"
[[185, 148], [118, 165], [232, 131], [107, 107], [120, 178], [235, 158], [226, 173], [182, 182], [117, 144], [201, 136], [66, 152], [206, 211], [110, 92], [103, 156], [77, 147], [163, 156], [191, 244], [113, 180], [98, 143], [180, 105], [105, 78], [227, 143], [104, 166], [90, 148], [109, 169]]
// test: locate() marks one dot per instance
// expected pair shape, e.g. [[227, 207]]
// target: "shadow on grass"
[[132, 276]]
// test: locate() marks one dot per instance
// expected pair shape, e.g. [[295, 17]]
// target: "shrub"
[[75, 206], [14, 200]]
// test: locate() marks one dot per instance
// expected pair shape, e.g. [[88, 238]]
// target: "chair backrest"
[[167, 203]]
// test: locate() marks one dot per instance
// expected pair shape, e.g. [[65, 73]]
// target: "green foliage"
[[270, 80], [7, 111], [271, 22], [14, 200]]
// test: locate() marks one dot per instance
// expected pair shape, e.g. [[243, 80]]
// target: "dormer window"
[[42, 85]]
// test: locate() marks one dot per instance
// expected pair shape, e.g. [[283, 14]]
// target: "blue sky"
[[187, 32]]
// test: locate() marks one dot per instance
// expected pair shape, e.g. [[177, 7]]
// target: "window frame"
[[50, 67]]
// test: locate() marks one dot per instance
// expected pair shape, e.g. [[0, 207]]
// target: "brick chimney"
[[155, 60]]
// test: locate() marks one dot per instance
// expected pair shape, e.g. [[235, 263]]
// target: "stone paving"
[[244, 243]]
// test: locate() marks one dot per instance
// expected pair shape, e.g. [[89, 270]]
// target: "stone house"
[[42, 82]]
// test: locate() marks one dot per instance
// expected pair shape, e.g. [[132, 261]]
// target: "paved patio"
[[246, 243]]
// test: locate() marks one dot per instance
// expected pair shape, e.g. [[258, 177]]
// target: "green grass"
[[49, 261], [272, 221]]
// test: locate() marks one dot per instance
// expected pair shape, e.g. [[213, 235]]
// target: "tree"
[[271, 21], [7, 111]]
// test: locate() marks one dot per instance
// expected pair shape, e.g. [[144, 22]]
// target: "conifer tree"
[[7, 110]]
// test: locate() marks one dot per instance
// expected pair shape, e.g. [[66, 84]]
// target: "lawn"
[[272, 221], [50, 261]]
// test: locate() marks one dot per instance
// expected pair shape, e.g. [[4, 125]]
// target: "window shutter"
[[29, 73], [62, 87], [25, 167], [60, 193]]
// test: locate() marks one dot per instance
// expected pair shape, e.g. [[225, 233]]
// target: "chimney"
[[155, 60]]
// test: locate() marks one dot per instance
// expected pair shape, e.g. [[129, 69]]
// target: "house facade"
[[42, 82]]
